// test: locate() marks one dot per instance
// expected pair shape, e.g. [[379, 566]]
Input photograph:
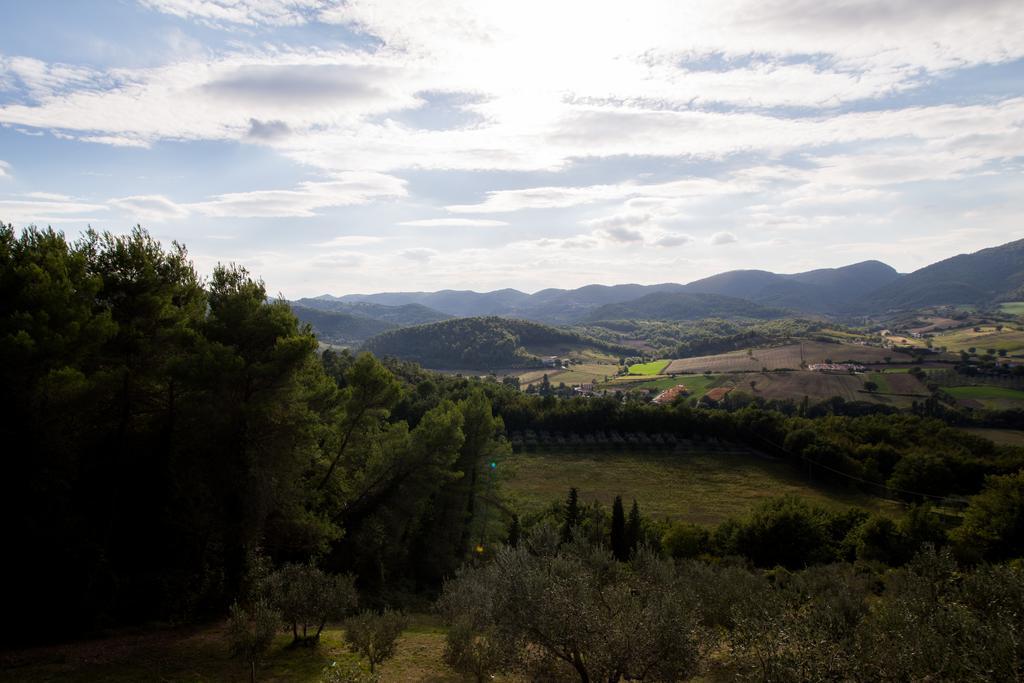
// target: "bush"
[[785, 532], [685, 540], [373, 635], [577, 611], [993, 526], [308, 597], [251, 632]]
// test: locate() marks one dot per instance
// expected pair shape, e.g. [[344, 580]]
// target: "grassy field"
[[200, 654], [696, 384], [1013, 307], [1004, 437], [784, 357], [696, 487], [996, 398], [987, 338], [652, 368]]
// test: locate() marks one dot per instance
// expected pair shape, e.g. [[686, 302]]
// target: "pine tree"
[[620, 547], [513, 531], [572, 514], [633, 527]]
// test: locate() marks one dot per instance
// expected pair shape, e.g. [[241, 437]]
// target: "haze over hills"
[[678, 306], [826, 290], [861, 288], [402, 314], [986, 276]]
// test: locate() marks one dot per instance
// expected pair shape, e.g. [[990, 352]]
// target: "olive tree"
[[576, 610], [307, 598], [374, 635], [251, 632]]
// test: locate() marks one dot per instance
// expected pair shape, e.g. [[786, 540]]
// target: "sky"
[[360, 146]]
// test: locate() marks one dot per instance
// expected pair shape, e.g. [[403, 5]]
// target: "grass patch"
[[653, 368], [983, 392], [994, 398], [200, 654], [1012, 307], [704, 488]]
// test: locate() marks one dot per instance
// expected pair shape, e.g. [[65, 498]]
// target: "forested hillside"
[[339, 327], [676, 306], [405, 314], [989, 275], [479, 343]]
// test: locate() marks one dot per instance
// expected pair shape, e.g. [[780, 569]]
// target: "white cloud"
[[346, 189], [245, 12], [453, 223], [621, 233], [5, 169], [674, 239], [150, 208], [420, 254], [349, 241], [722, 238], [43, 209]]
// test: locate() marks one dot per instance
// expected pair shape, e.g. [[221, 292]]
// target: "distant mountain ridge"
[[680, 306], [986, 276], [982, 277], [825, 290]]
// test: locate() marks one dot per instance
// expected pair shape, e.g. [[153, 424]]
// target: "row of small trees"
[[304, 598]]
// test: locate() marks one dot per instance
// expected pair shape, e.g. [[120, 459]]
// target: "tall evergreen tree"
[[513, 531], [620, 546], [572, 515], [633, 527]]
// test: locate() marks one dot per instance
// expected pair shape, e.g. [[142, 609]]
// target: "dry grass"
[[704, 488]]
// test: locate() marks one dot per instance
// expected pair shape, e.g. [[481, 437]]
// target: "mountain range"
[[868, 287]]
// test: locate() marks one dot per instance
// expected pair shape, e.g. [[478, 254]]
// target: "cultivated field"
[[988, 338], [703, 488], [898, 383], [784, 357], [652, 368], [583, 373], [820, 386]]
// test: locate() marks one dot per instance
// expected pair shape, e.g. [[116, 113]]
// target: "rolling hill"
[[826, 290], [402, 314], [984, 277], [678, 306], [337, 327], [482, 343]]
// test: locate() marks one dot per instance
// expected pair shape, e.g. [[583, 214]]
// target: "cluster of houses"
[[835, 367]]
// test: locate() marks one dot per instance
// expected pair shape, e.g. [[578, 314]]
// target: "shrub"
[[373, 635], [251, 632], [307, 597]]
